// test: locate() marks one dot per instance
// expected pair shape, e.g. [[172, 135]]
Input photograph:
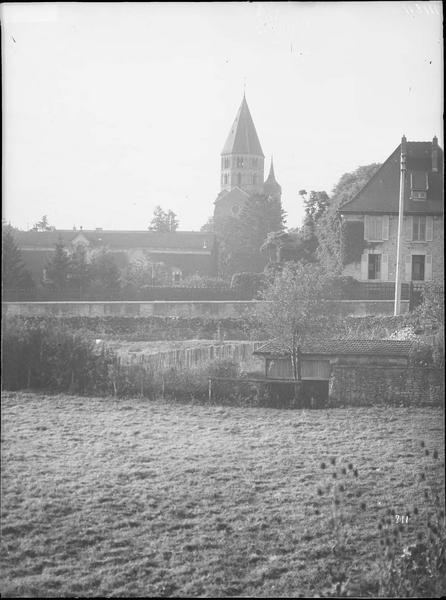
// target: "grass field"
[[127, 498]]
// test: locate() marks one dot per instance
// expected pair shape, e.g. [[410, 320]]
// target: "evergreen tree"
[[58, 268], [16, 279]]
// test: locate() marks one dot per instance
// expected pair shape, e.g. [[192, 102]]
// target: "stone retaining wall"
[[367, 385]]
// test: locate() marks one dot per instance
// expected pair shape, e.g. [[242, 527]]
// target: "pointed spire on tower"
[[271, 186], [243, 138]]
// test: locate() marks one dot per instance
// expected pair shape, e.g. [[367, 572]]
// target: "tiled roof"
[[243, 138], [333, 347], [381, 192], [178, 240]]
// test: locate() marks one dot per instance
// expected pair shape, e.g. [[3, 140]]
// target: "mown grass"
[[130, 497]]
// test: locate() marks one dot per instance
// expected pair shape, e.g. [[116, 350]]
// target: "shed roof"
[[344, 347]]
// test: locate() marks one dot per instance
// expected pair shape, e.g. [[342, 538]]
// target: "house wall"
[[358, 385], [433, 248]]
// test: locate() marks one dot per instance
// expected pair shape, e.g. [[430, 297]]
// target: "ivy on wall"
[[352, 241]]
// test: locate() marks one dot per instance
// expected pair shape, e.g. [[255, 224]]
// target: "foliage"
[[297, 307], [43, 225], [248, 285], [209, 225], [57, 268], [328, 229], [163, 221], [200, 281], [47, 355], [240, 238], [106, 276], [403, 570], [432, 307], [16, 280], [80, 273], [352, 241]]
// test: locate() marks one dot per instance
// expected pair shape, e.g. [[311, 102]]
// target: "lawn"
[[129, 497]]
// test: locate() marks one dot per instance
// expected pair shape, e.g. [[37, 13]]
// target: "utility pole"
[[397, 306]]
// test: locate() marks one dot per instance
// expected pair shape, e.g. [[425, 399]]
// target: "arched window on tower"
[[254, 179], [226, 179], [239, 179]]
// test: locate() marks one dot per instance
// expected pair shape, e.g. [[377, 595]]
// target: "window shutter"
[[428, 268], [384, 267], [366, 227], [409, 229], [408, 265], [364, 267], [385, 229], [429, 229]]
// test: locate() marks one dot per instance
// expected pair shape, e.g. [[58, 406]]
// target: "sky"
[[110, 109]]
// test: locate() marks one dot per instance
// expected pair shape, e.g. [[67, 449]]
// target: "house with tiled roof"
[[370, 219], [183, 253]]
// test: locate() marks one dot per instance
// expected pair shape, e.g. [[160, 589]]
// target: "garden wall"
[[217, 309], [366, 385]]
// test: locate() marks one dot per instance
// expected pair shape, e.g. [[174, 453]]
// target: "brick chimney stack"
[[435, 154]]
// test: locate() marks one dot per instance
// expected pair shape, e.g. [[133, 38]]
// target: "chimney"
[[435, 154]]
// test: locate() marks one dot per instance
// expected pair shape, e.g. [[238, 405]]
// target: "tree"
[[106, 276], [297, 308], [209, 225], [328, 230], [240, 238], [43, 224], [79, 272], [163, 221], [58, 268], [16, 279]]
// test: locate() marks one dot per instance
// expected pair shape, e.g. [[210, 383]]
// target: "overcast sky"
[[112, 108]]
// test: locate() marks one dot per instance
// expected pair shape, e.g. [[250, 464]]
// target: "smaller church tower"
[[271, 188], [242, 158]]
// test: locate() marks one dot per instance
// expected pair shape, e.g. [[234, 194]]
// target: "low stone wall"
[[367, 385], [216, 309]]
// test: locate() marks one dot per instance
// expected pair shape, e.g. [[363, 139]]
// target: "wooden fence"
[[240, 352]]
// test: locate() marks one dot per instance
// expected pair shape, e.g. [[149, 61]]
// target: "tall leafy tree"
[[16, 279], [164, 221], [298, 308]]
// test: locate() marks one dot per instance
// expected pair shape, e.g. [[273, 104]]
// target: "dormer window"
[[419, 184], [240, 162]]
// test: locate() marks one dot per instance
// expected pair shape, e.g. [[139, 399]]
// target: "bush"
[[248, 285], [48, 355], [211, 283]]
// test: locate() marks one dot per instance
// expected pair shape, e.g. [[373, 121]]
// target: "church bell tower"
[[242, 158]]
